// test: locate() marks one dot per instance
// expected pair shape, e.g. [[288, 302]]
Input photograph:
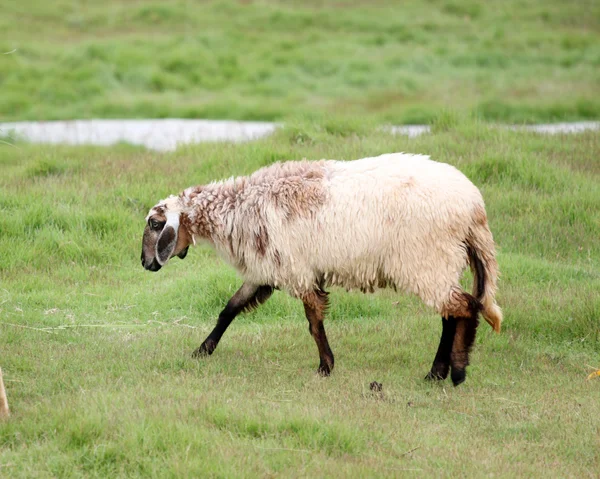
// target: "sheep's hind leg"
[[465, 309], [248, 297], [315, 305], [466, 329], [441, 363]]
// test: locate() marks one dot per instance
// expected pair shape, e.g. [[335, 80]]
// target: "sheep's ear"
[[168, 239], [166, 244], [183, 253]]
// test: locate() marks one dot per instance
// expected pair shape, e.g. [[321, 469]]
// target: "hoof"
[[431, 376], [206, 349], [438, 372], [324, 370], [458, 376]]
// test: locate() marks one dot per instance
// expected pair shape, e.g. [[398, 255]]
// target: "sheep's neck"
[[209, 209]]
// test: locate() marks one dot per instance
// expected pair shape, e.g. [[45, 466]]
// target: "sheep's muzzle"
[[153, 266]]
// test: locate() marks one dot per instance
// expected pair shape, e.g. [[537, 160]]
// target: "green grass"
[[96, 351], [391, 61]]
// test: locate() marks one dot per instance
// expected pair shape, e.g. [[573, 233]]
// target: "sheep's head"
[[164, 237]]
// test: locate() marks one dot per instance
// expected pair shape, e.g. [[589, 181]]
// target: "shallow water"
[[167, 134], [161, 135]]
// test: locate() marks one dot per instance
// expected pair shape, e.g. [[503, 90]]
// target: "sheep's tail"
[[4, 412], [482, 260]]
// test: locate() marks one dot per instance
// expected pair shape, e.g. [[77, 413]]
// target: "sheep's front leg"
[[315, 304], [248, 297], [441, 363]]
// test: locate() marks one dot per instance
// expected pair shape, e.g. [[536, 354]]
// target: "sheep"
[[397, 220], [4, 411]]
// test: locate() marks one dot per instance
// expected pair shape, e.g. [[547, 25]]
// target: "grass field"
[[392, 61], [96, 351]]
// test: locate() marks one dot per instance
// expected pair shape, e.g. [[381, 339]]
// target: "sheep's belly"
[[366, 282]]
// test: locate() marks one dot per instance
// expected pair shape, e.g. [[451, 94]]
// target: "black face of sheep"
[[151, 234], [161, 239]]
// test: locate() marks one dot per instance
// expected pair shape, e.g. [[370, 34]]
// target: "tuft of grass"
[[96, 351], [448, 119], [46, 168], [327, 128], [391, 62]]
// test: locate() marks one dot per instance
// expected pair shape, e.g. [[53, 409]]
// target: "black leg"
[[466, 329], [248, 297], [461, 310], [315, 305], [441, 363]]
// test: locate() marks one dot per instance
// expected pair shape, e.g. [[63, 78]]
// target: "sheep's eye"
[[154, 224]]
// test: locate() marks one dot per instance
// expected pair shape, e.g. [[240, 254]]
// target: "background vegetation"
[[392, 61], [96, 351]]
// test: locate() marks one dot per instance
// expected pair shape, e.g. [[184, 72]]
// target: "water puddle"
[[167, 134]]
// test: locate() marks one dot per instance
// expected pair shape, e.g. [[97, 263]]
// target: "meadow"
[[96, 352], [388, 61]]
